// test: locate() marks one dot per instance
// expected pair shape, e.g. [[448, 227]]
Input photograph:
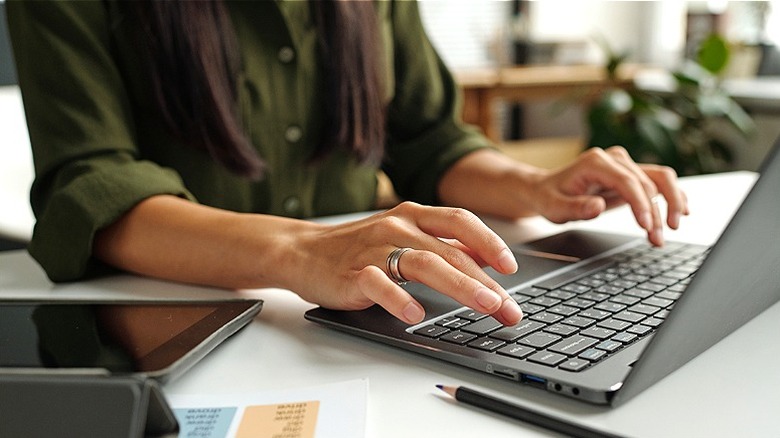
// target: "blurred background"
[[494, 47]]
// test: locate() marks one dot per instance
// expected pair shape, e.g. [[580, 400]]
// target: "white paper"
[[341, 410]]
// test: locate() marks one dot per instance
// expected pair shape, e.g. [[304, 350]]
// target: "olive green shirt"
[[100, 148]]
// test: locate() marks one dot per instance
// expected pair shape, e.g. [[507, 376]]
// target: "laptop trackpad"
[[534, 259]]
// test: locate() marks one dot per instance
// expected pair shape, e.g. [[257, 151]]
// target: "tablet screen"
[[122, 337]]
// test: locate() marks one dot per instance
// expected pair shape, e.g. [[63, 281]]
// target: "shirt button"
[[293, 134], [286, 54], [291, 205]]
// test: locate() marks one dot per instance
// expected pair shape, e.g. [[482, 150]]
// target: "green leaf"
[[714, 54]]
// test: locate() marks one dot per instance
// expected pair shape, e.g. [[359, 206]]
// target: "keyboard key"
[[483, 326], [431, 331], [530, 309], [629, 316], [545, 301], [625, 337], [509, 334], [573, 345], [452, 322], [655, 287], [576, 288], [624, 299], [563, 310], [579, 321], [592, 354], [561, 329], [547, 358], [658, 302], [639, 293], [591, 282], [662, 279], [486, 344], [609, 289], [662, 314], [640, 329], [532, 291], [458, 337], [598, 332], [653, 322], [594, 296], [579, 302], [560, 294], [609, 346], [614, 324], [539, 339], [546, 317], [516, 351], [610, 307], [520, 299], [625, 284], [471, 315], [594, 314], [644, 309], [574, 365]]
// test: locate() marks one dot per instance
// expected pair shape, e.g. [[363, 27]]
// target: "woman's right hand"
[[345, 266]]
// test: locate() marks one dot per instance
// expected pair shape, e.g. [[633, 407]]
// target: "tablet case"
[[76, 404]]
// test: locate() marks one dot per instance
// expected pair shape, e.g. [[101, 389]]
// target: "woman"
[[185, 140]]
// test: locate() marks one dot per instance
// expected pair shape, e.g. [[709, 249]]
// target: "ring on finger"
[[392, 265]]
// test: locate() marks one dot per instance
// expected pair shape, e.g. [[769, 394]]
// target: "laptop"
[[606, 316]]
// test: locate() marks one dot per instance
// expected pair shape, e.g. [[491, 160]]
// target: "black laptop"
[[606, 316]]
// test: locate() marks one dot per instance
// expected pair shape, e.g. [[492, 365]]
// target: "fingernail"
[[507, 262], [657, 236], [511, 311], [487, 298], [646, 221], [413, 313]]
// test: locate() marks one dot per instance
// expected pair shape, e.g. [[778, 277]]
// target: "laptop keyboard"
[[579, 318]]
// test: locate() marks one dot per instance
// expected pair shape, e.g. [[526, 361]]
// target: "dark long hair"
[[193, 61]]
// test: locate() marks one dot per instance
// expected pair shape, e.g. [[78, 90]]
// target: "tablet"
[[159, 339]]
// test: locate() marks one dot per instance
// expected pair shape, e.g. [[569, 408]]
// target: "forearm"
[[488, 182], [174, 239]]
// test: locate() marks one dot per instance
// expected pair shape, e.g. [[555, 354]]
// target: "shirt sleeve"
[[81, 130], [425, 132]]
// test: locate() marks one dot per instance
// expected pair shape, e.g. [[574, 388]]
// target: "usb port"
[[534, 380]]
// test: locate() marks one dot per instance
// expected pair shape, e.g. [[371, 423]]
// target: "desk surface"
[[730, 390], [16, 167]]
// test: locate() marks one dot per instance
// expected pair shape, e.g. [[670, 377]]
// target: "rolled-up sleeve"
[[426, 134], [82, 133]]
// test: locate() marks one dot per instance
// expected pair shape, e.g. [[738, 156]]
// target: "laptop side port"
[[507, 373], [532, 380]]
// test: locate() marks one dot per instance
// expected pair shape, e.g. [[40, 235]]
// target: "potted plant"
[[690, 128]]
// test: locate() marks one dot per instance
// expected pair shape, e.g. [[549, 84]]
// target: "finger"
[[666, 180], [613, 175], [467, 228], [378, 288], [656, 236], [434, 271]]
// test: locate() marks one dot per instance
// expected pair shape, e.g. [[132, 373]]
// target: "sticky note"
[[204, 422], [286, 420]]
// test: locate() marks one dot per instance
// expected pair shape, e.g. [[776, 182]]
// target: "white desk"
[[16, 168], [730, 390]]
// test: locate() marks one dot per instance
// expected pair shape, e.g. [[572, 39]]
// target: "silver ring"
[[392, 265]]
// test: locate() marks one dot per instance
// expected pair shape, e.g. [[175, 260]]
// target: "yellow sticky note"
[[286, 420]]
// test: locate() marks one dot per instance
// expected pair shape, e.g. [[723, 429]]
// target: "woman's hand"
[[345, 266], [601, 179], [491, 183]]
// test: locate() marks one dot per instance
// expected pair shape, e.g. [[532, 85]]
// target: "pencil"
[[493, 404]]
